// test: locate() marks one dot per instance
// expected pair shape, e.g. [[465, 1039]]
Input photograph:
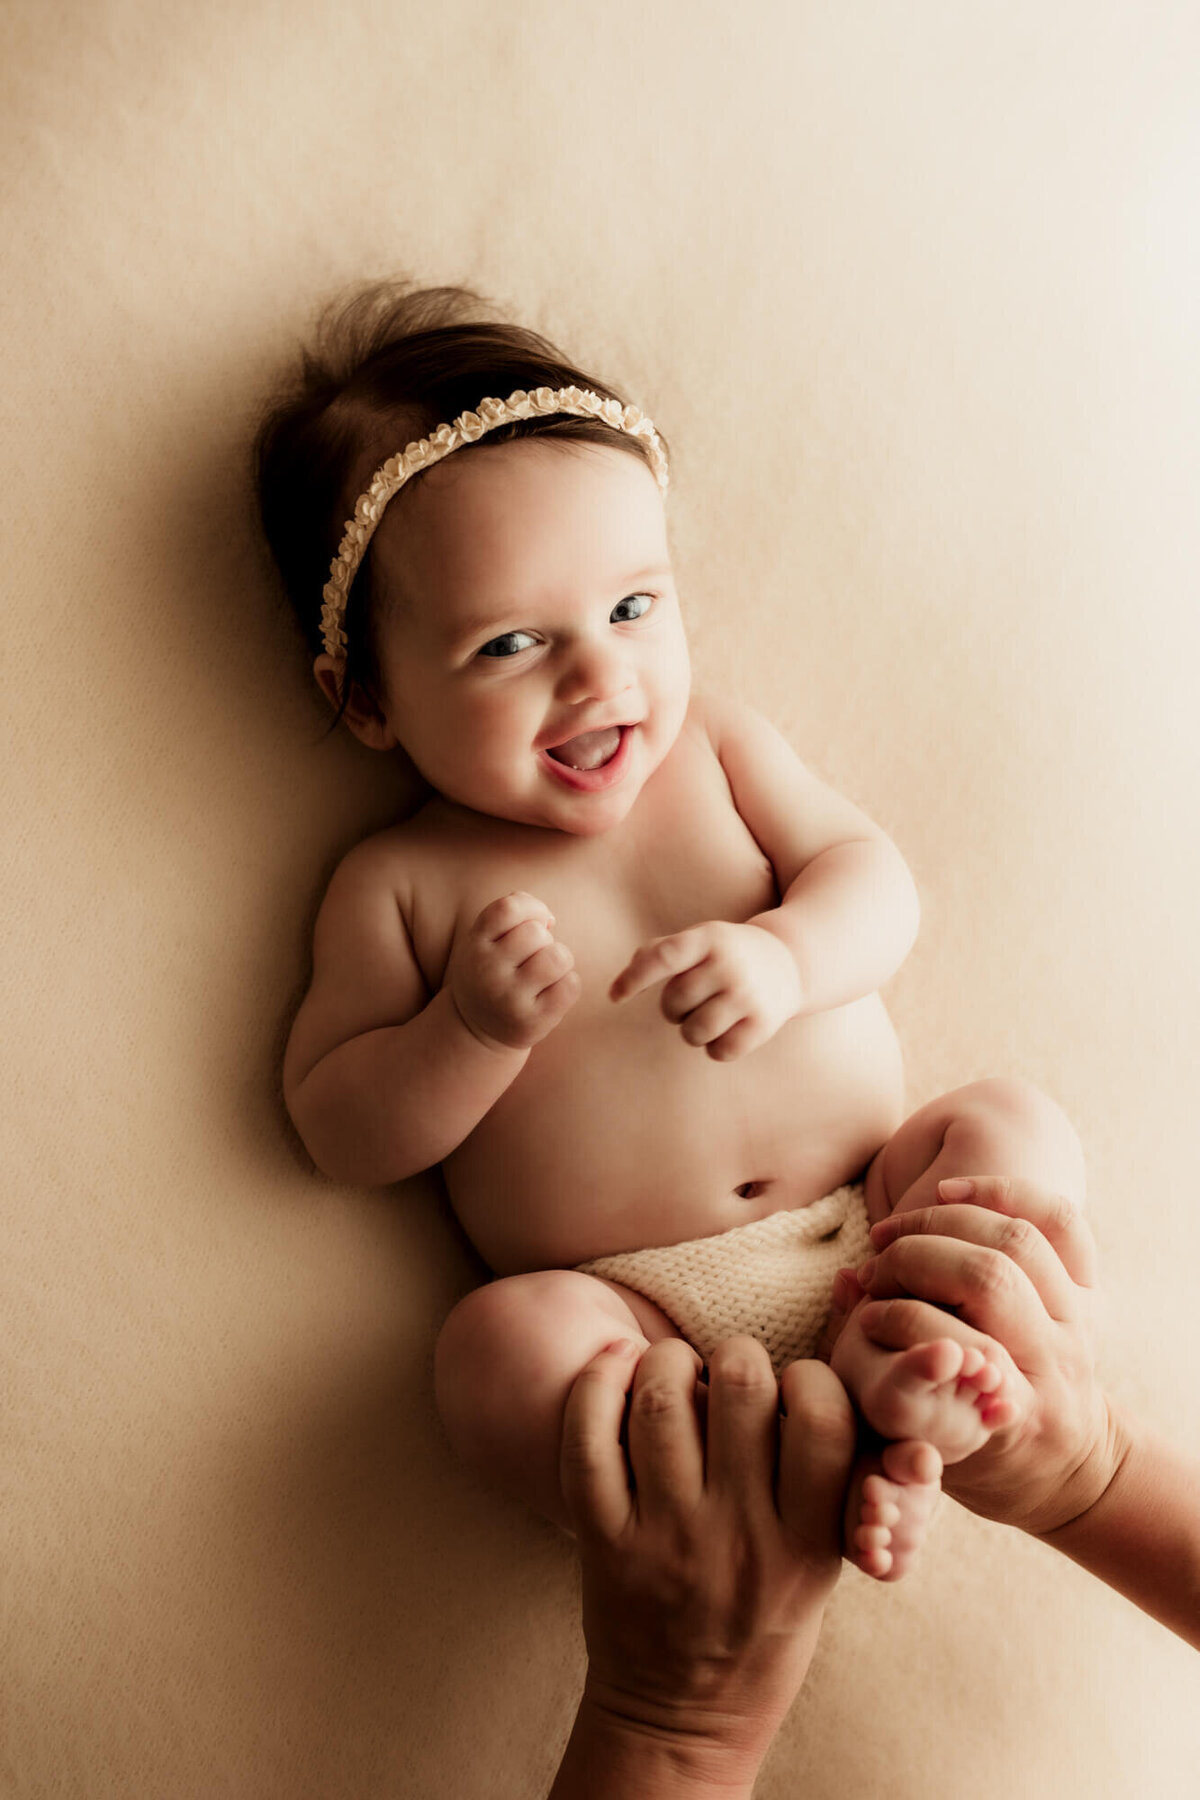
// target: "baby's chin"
[[572, 815], [591, 817]]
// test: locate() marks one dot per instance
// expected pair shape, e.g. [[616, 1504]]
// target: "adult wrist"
[[1084, 1490], [1141, 1535], [615, 1753]]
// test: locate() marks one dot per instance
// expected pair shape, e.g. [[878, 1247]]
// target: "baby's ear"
[[365, 721]]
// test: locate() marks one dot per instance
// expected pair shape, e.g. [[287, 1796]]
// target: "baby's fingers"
[[509, 910], [519, 944], [547, 968], [744, 1036], [656, 960]]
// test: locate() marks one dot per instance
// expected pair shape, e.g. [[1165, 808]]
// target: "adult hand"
[[708, 1558], [1016, 1262]]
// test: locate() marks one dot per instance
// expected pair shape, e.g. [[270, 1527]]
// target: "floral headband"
[[388, 480]]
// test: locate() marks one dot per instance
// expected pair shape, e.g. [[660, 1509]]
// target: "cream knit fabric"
[[770, 1279]]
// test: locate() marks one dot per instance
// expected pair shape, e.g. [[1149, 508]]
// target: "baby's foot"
[[948, 1394], [944, 1392], [890, 1502]]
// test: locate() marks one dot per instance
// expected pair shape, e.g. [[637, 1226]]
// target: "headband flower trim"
[[466, 429]]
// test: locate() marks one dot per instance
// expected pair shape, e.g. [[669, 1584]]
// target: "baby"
[[619, 974]]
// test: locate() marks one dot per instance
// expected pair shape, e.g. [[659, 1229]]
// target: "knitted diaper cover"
[[770, 1279]]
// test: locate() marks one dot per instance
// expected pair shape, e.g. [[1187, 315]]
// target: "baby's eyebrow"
[[499, 621]]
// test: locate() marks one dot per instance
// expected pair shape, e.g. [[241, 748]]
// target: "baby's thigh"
[[505, 1362]]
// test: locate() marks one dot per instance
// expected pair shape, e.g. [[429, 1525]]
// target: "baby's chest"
[[688, 857], [687, 875]]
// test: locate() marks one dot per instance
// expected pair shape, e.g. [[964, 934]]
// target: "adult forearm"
[[1142, 1536], [849, 918], [615, 1759], [396, 1100]]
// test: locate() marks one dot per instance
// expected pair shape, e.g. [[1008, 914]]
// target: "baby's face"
[[529, 601]]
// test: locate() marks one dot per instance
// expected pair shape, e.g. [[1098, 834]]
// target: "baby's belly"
[[617, 1142]]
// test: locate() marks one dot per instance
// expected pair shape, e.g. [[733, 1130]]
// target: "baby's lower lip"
[[591, 780]]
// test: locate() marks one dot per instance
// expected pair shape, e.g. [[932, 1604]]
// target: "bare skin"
[[626, 1008], [670, 1483]]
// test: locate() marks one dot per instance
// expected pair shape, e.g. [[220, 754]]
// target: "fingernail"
[[883, 1231], [956, 1187], [865, 1271]]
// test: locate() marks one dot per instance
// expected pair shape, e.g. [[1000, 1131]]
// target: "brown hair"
[[387, 366]]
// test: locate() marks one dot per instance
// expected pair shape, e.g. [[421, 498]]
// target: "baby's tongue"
[[589, 749]]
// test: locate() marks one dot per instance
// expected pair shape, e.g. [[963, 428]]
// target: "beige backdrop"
[[913, 291]]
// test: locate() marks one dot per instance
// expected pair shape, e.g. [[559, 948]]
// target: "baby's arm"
[[380, 1080], [849, 912]]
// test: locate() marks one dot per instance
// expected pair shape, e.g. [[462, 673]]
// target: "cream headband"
[[398, 469]]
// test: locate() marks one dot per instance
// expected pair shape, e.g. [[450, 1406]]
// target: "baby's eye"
[[640, 602], [508, 645]]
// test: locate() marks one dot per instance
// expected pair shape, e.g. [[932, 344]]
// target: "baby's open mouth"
[[590, 750]]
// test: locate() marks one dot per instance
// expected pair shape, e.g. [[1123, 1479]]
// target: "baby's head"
[[516, 596]]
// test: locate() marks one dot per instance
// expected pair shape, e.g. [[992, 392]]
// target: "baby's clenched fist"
[[509, 977]]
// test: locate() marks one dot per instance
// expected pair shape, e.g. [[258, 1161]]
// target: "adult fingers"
[[743, 1413], [899, 1324], [1015, 1238], [595, 1480], [1057, 1217], [665, 1448], [987, 1290], [816, 1452]]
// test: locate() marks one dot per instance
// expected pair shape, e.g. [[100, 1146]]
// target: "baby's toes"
[[912, 1463], [982, 1381], [877, 1507], [924, 1366], [895, 1508], [871, 1513], [908, 1388], [871, 1551]]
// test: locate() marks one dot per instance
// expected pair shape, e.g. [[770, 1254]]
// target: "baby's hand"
[[509, 978], [731, 986]]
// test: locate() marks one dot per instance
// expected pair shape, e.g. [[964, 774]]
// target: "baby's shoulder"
[[394, 859]]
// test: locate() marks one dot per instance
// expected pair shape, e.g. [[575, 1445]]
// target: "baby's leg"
[[996, 1127], [506, 1359], [942, 1393]]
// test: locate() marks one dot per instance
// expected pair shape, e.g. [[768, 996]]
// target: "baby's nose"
[[596, 671]]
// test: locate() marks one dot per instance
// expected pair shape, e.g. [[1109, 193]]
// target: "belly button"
[[750, 1190]]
